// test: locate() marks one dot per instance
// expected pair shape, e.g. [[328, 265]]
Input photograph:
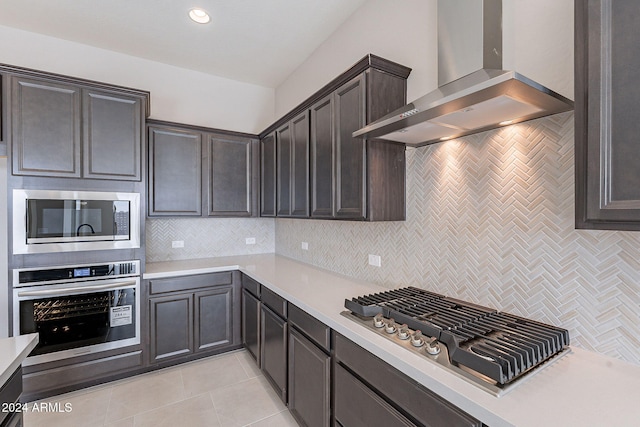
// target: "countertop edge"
[[190, 272], [21, 346]]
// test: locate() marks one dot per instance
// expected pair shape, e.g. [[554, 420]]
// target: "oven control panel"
[[68, 273]]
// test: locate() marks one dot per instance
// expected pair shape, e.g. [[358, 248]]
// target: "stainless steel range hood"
[[486, 97]]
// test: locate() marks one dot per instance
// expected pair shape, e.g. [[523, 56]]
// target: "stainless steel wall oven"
[[60, 221], [77, 309]]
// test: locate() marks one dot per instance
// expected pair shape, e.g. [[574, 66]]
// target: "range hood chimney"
[[475, 94]]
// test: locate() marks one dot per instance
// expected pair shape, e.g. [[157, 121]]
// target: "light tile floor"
[[227, 390]]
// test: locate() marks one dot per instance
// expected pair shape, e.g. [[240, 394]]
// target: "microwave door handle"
[[75, 289]]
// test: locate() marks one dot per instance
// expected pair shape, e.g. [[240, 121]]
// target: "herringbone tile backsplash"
[[207, 237], [490, 219]]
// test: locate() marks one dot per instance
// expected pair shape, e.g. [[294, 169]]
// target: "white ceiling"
[[255, 41]]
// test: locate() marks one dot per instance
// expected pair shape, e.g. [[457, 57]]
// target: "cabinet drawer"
[[275, 302], [417, 401], [357, 406], [158, 286], [57, 378], [317, 331], [251, 285]]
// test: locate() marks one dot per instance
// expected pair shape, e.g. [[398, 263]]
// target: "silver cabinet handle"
[[75, 289]]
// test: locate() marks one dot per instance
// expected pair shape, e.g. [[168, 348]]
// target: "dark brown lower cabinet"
[[39, 383], [15, 420], [213, 325], [309, 381], [251, 324], [9, 396], [171, 319], [388, 393], [356, 405], [327, 380], [273, 349], [193, 315]]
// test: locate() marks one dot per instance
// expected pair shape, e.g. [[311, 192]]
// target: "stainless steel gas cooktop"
[[496, 351]]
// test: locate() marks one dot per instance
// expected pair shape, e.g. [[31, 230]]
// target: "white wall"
[[401, 31], [177, 94], [537, 34], [4, 257], [538, 41]]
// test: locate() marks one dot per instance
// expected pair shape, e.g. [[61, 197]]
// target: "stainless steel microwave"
[[47, 221]]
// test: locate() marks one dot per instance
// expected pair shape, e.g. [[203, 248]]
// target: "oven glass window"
[[91, 219], [66, 322]]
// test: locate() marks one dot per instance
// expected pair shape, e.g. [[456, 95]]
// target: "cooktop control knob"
[[403, 332], [416, 339], [433, 346], [378, 321], [390, 327]]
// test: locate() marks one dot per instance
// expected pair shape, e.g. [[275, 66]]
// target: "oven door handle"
[[75, 289]]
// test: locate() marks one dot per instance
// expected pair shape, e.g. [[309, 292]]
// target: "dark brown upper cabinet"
[[63, 127], [292, 155], [322, 154], [175, 171], [113, 131], [353, 178], [230, 172], [268, 175], [195, 171], [3, 112], [607, 105], [283, 170], [349, 178], [350, 153], [46, 123]]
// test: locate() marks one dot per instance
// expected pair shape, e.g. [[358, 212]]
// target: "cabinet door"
[[268, 175], [300, 166], [3, 112], [213, 318], [175, 172], [45, 128], [309, 381], [358, 406], [113, 126], [273, 350], [350, 152], [322, 153], [251, 324], [606, 115], [229, 176], [171, 323], [283, 170]]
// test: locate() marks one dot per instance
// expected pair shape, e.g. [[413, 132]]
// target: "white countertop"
[[582, 388], [12, 352]]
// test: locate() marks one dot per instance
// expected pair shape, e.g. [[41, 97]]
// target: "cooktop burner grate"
[[499, 346]]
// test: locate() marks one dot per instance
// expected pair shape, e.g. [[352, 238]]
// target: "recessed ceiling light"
[[199, 15]]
